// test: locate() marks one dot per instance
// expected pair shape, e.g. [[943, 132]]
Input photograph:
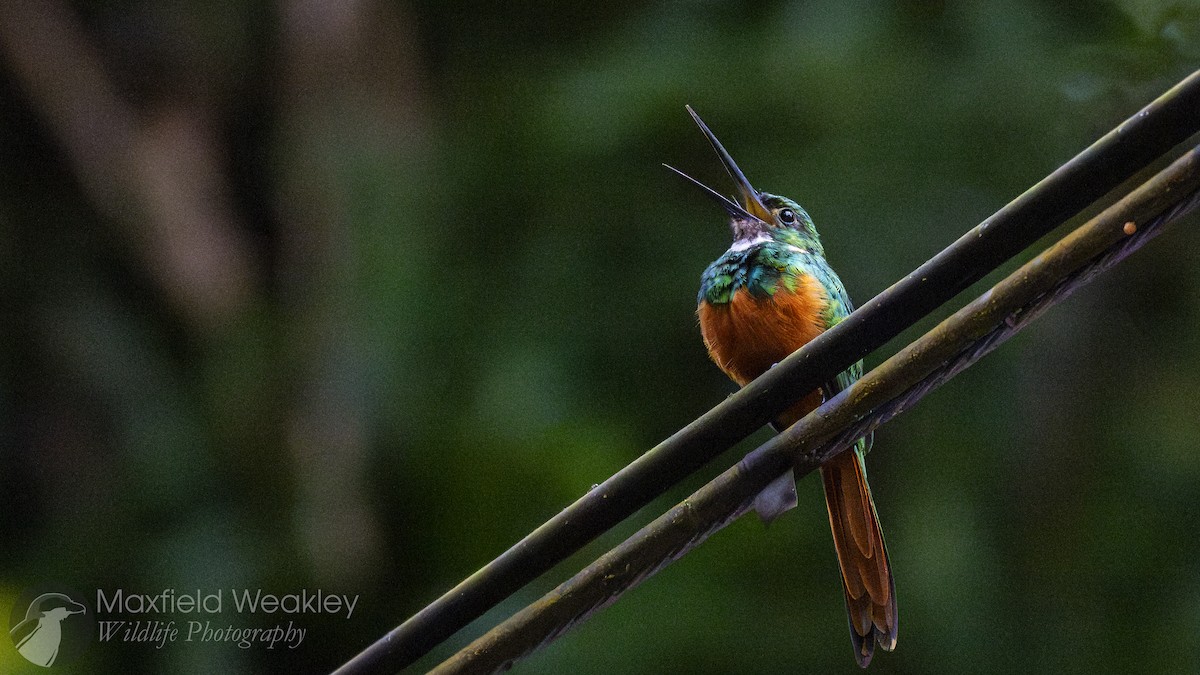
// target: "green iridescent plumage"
[[777, 258]]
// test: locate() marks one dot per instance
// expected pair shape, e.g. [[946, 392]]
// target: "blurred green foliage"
[[383, 286]]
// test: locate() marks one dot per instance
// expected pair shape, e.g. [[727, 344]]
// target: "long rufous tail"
[[866, 574]]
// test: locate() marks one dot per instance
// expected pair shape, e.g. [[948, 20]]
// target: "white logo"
[[39, 636]]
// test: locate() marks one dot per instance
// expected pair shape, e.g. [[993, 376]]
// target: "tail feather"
[[866, 574]]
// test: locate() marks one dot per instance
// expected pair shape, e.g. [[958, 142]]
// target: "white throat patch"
[[743, 244], [760, 238]]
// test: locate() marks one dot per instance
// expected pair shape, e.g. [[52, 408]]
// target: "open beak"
[[731, 207], [751, 203]]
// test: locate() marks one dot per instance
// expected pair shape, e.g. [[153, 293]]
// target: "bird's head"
[[755, 215], [54, 606]]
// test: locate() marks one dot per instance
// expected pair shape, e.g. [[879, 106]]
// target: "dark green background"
[[299, 295]]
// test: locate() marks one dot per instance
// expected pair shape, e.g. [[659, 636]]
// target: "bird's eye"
[[787, 217]]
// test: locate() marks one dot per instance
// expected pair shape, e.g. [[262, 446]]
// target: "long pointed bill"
[[752, 203], [731, 207]]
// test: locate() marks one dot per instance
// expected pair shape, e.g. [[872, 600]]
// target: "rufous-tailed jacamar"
[[763, 299]]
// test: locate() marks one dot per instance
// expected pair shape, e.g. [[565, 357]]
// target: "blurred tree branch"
[[157, 168], [883, 393], [155, 173], [1111, 160], [350, 91]]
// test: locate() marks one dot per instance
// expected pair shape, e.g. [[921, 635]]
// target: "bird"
[[768, 295], [39, 635]]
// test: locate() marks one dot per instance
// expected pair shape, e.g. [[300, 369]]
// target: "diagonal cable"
[[886, 391], [1117, 156]]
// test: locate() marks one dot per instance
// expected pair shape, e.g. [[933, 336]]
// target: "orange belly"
[[749, 335]]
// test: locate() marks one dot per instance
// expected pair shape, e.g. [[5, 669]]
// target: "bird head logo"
[[39, 636]]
